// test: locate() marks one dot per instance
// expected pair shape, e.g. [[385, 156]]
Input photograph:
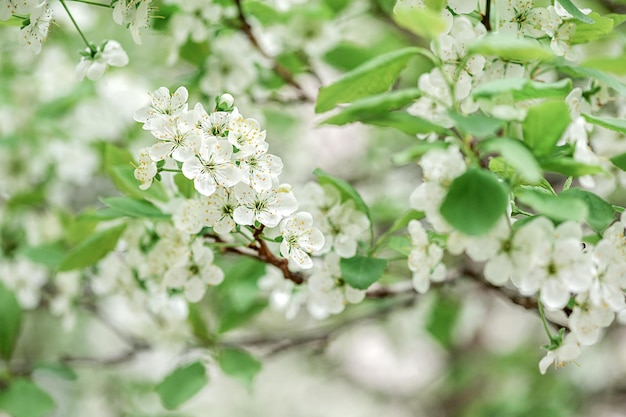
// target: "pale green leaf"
[[575, 11], [600, 214], [361, 271], [182, 384], [474, 202], [520, 89], [618, 125], [239, 364], [91, 250], [134, 207], [557, 207], [544, 125], [517, 155], [510, 48], [373, 77], [10, 321], [421, 21], [373, 106], [23, 398], [587, 32]]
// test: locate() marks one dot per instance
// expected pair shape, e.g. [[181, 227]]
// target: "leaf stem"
[[542, 314], [80, 32]]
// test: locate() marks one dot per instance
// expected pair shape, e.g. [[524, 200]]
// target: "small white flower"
[[33, 35], [267, 207], [300, 239], [162, 103], [567, 352], [246, 134], [133, 13], [212, 167], [218, 210], [179, 136], [93, 65], [424, 259], [146, 170]]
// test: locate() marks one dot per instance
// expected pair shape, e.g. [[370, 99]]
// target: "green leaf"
[[517, 155], [400, 244], [510, 48], [134, 207], [182, 384], [240, 290], [58, 369], [442, 319], [124, 179], [475, 201], [49, 254], [373, 106], [404, 220], [520, 89], [582, 72], [618, 125], [407, 123], [557, 207], [10, 322], [24, 398], [373, 77], [575, 11], [361, 271], [185, 185], [266, 15], [92, 249], [613, 65], [570, 167], [345, 189], [239, 364], [600, 214], [544, 125], [421, 21], [477, 125], [620, 161], [587, 32]]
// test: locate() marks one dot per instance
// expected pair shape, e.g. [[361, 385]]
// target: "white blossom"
[[300, 239], [93, 65]]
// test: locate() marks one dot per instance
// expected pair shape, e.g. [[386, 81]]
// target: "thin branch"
[[486, 18], [280, 70]]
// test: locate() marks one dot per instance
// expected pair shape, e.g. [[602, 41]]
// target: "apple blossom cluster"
[[580, 285], [239, 195]]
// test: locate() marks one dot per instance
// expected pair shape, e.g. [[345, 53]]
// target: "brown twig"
[[280, 70]]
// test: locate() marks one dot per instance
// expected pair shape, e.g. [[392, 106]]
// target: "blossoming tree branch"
[[517, 129]]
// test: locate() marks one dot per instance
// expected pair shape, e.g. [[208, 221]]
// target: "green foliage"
[[239, 364], [373, 77], [475, 201], [587, 32], [620, 161], [585, 73], [442, 319], [569, 167], [613, 65], [416, 151], [238, 296], [185, 185], [361, 271], [477, 125], [600, 214], [510, 48], [48, 254], [575, 11], [10, 322], [373, 106], [557, 207], [133, 207], [24, 398], [424, 22], [544, 125], [346, 190], [515, 153], [92, 249], [182, 384], [617, 125], [520, 89]]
